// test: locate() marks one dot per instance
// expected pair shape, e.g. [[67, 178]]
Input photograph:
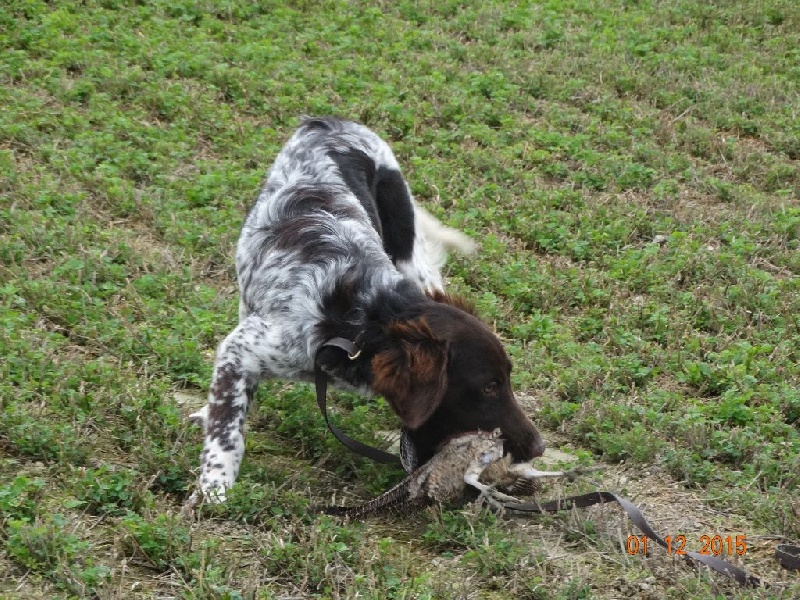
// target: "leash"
[[321, 385], [787, 555]]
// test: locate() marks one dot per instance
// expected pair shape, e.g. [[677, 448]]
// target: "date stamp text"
[[710, 545]]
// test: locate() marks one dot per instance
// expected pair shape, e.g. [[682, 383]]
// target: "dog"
[[335, 246]]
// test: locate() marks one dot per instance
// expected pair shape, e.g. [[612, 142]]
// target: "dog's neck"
[[364, 321]]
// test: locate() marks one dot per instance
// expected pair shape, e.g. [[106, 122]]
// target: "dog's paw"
[[214, 495], [200, 497], [220, 466]]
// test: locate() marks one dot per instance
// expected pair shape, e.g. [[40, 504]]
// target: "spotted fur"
[[336, 246]]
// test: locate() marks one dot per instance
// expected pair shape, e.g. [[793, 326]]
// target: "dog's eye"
[[491, 389]]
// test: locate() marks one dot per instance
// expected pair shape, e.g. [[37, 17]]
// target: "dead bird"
[[471, 461]]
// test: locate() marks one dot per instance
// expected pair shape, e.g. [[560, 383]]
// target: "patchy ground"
[[630, 171]]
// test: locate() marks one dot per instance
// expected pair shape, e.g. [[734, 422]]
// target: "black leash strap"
[[321, 384], [788, 556], [636, 516]]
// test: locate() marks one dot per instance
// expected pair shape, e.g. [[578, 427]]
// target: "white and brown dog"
[[336, 247]]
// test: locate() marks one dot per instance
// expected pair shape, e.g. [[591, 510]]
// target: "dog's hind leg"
[[238, 367]]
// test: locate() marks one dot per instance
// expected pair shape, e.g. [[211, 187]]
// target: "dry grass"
[[564, 136]]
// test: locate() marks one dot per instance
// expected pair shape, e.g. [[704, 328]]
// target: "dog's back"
[[334, 207]]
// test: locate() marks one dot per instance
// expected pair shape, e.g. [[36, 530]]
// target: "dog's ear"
[[412, 373]]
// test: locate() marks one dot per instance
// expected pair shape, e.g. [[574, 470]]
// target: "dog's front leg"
[[237, 370]]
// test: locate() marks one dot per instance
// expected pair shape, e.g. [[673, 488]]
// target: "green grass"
[[565, 135]]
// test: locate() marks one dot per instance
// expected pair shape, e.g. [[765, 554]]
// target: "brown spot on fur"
[[455, 301], [412, 373]]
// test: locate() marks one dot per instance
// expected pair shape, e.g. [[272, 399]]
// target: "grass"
[[630, 169]]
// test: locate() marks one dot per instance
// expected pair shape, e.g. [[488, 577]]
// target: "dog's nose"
[[526, 447], [538, 446], [537, 443]]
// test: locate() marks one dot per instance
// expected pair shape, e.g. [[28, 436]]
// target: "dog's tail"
[[440, 238]]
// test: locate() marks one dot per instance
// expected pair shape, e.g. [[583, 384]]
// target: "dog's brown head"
[[446, 373]]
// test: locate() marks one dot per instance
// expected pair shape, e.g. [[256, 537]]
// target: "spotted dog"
[[335, 246]]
